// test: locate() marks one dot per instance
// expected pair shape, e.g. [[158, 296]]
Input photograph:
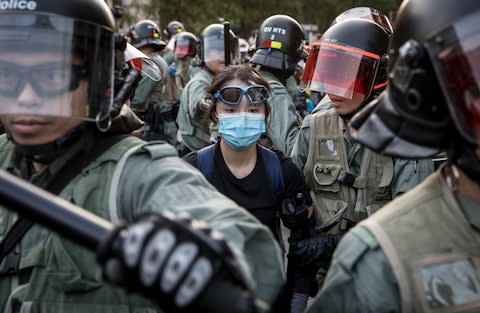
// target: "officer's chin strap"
[[46, 153]]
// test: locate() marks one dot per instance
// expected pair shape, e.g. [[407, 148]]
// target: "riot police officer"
[[349, 181], [185, 50], [419, 253], [194, 128], [56, 88], [279, 46], [155, 101]]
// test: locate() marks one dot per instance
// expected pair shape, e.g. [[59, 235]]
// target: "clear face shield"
[[340, 70], [183, 47], [368, 14], [55, 66], [213, 49], [456, 60]]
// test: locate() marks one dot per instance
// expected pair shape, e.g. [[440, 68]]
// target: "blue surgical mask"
[[241, 130]]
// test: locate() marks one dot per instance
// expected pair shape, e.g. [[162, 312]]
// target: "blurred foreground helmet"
[[434, 78], [185, 45], [146, 33], [212, 44], [279, 43], [79, 34], [366, 13], [351, 57]]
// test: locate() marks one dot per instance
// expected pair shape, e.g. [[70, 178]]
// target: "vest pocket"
[[325, 177]]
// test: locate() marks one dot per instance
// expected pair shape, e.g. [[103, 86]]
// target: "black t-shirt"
[[254, 192]]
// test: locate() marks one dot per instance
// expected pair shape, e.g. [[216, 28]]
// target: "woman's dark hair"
[[243, 73]]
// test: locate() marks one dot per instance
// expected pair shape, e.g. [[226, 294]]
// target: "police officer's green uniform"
[[390, 263], [283, 121], [193, 126], [349, 182], [131, 177], [185, 70], [160, 98], [168, 55]]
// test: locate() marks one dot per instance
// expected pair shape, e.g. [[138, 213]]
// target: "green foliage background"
[[247, 15]]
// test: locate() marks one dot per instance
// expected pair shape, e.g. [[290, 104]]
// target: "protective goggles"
[[48, 80], [232, 95], [37, 72], [456, 60], [340, 70]]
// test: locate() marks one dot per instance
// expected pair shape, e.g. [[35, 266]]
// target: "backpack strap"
[[274, 170], [205, 158], [272, 164]]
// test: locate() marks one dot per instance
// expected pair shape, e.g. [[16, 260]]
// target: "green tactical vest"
[[433, 250], [64, 276], [193, 135], [340, 199]]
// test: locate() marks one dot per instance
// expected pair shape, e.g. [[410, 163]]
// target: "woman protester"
[[265, 182]]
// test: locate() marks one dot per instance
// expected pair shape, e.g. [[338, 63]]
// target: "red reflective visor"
[[458, 67], [340, 70], [182, 49]]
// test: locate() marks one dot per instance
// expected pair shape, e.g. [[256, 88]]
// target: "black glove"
[[314, 249], [175, 262], [294, 212]]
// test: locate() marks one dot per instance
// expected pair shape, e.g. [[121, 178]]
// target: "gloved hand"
[[314, 248], [172, 70], [173, 261], [294, 212]]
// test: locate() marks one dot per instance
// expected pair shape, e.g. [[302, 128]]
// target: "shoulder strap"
[[274, 170], [79, 162], [205, 158]]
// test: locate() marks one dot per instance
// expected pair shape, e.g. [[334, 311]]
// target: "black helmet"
[[434, 68], [366, 13], [173, 28], [146, 33], [279, 43], [351, 57], [212, 44], [79, 34], [185, 45]]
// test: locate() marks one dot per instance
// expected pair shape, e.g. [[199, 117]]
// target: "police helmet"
[[77, 40], [146, 33], [434, 79], [173, 28], [366, 13], [185, 45], [350, 57], [279, 43], [212, 44]]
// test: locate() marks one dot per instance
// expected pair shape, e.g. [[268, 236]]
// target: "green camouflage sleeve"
[[284, 122], [360, 279], [299, 152], [142, 92], [167, 183], [409, 173]]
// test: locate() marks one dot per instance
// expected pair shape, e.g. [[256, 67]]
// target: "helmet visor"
[[213, 49], [457, 62], [183, 48], [55, 66], [340, 70], [368, 14]]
